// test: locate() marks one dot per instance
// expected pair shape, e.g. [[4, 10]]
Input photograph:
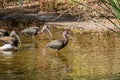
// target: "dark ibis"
[[35, 30], [10, 42], [59, 43]]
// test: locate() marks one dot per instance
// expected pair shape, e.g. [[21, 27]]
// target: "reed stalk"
[[112, 6]]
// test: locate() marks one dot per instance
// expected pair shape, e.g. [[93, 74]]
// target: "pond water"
[[89, 56]]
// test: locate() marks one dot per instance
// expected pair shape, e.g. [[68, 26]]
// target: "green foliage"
[[113, 6], [110, 6], [20, 2]]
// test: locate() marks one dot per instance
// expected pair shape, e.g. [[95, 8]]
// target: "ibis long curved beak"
[[13, 33], [70, 36], [18, 39], [47, 29]]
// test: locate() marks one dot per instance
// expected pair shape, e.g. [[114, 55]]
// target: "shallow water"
[[89, 56]]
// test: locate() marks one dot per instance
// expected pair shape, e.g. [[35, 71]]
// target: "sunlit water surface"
[[89, 56]]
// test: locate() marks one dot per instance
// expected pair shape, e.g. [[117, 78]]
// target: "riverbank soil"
[[65, 13]]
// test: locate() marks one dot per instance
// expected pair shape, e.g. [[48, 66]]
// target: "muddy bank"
[[27, 17], [23, 18], [86, 25], [32, 15]]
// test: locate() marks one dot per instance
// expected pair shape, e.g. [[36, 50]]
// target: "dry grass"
[[59, 6]]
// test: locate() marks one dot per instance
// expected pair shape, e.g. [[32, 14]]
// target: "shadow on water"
[[90, 56]]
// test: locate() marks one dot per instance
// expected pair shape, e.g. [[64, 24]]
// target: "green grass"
[[112, 7]]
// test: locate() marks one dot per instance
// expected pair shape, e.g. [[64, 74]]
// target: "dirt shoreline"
[[87, 25], [65, 20]]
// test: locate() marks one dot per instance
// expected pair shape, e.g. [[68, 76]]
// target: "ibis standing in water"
[[10, 42], [35, 30], [59, 43]]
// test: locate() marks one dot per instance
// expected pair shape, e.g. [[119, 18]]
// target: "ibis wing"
[[30, 31], [56, 44]]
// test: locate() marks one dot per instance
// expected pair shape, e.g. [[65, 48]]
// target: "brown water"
[[89, 56]]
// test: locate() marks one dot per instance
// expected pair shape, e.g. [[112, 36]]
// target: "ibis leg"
[[33, 38]]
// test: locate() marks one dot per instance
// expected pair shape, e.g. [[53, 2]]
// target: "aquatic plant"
[[20, 2], [112, 7]]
